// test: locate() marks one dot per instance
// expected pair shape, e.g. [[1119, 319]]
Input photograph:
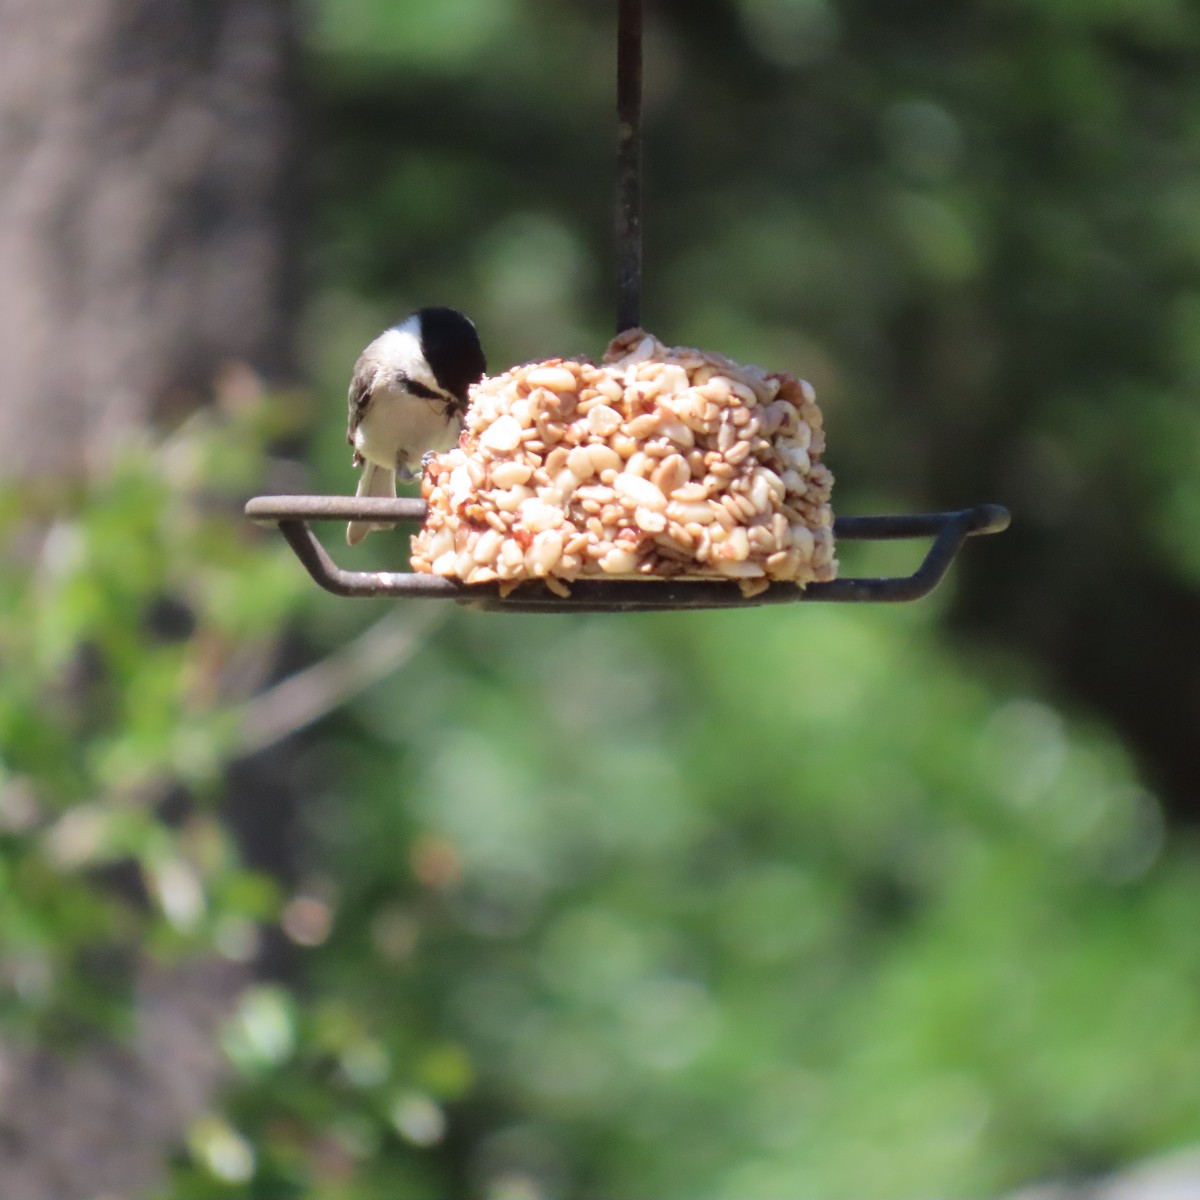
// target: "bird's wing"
[[358, 398]]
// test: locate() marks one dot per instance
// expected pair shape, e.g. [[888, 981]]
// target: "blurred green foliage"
[[807, 903], [143, 596], [748, 905]]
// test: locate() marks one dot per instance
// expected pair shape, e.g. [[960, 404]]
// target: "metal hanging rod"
[[293, 513], [629, 165]]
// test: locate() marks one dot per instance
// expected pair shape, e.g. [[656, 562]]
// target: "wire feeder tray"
[[653, 594]]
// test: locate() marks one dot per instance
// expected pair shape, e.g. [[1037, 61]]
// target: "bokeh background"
[[312, 899]]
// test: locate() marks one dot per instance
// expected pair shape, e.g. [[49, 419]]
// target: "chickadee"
[[407, 399]]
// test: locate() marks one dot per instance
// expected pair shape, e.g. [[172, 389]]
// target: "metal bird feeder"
[[294, 514]]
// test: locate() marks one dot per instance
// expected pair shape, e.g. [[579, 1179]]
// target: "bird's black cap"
[[452, 350]]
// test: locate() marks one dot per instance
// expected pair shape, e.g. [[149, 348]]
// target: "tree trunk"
[[148, 235], [148, 207]]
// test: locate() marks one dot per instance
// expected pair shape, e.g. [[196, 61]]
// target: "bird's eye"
[[417, 388]]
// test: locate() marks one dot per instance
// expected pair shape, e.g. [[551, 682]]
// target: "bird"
[[408, 396]]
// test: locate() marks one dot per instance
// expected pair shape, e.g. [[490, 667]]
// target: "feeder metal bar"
[[292, 514], [629, 165]]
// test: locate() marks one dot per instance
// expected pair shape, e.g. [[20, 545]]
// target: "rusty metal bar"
[[269, 509], [949, 530], [629, 164]]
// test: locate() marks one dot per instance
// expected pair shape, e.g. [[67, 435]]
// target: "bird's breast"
[[397, 428]]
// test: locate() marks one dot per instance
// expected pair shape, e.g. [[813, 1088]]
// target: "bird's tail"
[[375, 481]]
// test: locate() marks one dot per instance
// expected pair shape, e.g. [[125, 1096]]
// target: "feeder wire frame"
[[292, 514]]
